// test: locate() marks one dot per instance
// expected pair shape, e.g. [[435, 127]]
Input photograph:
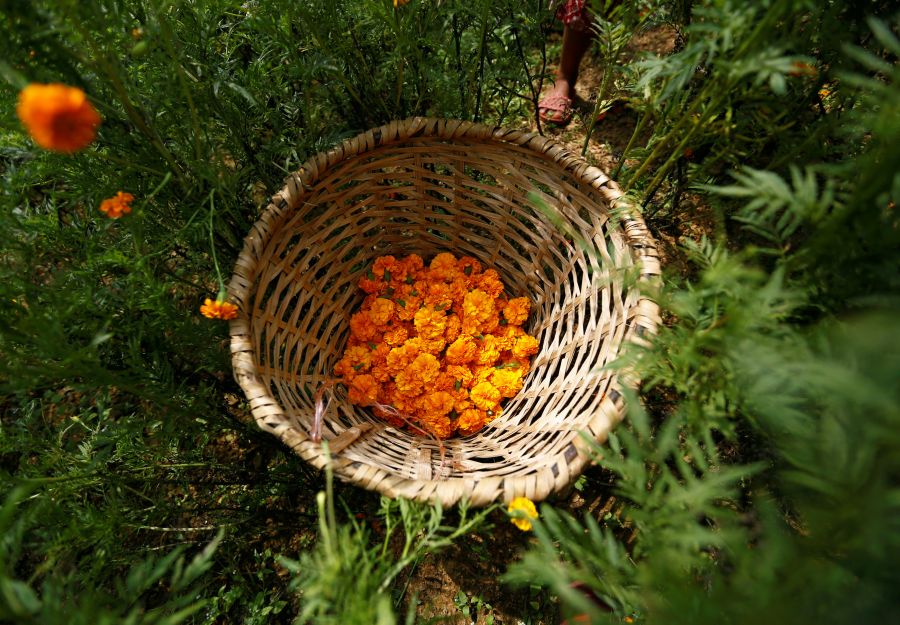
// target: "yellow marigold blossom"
[[507, 335], [438, 425], [462, 350], [516, 310], [485, 396], [525, 346], [507, 381], [438, 296], [471, 420], [116, 206], [218, 309], [363, 390], [409, 383], [430, 323], [488, 351], [58, 117], [522, 510], [381, 312]]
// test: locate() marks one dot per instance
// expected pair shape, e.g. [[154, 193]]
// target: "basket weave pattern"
[[517, 202]]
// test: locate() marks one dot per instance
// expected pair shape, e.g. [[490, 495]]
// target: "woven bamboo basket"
[[556, 229]]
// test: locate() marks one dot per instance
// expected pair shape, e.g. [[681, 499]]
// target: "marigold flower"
[[363, 390], [516, 310], [507, 381], [430, 323], [400, 357], [396, 336], [485, 396], [381, 312], [454, 325], [478, 307], [437, 403], [490, 283], [443, 267], [356, 359], [522, 510], [400, 3], [525, 346], [426, 367], [489, 351], [116, 206], [362, 328], [471, 420], [218, 309], [58, 117], [462, 350]]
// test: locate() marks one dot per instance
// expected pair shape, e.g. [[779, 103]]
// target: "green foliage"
[[347, 579]]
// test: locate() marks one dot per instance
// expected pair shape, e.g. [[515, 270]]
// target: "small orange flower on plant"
[[218, 309], [522, 510], [58, 117], [116, 206]]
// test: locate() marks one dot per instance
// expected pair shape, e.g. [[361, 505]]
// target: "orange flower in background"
[[218, 309], [116, 206], [799, 68], [400, 3], [428, 350], [58, 117]]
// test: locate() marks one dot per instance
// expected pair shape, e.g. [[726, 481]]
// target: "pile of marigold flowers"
[[436, 348]]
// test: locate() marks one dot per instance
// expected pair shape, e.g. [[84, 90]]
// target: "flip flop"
[[558, 103]]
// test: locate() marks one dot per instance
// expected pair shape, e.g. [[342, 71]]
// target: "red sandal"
[[558, 104]]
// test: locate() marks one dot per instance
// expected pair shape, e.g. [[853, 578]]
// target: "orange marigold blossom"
[[116, 206], [485, 396], [427, 345], [516, 311], [525, 346], [58, 117], [381, 311], [523, 511], [363, 390], [218, 309], [471, 420]]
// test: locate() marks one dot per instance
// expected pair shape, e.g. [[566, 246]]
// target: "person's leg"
[[576, 42]]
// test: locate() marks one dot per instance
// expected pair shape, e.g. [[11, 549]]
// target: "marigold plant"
[[58, 117], [441, 346]]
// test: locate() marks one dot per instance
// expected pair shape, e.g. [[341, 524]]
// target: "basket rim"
[[266, 409]]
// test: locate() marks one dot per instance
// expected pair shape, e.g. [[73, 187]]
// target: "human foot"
[[556, 106]]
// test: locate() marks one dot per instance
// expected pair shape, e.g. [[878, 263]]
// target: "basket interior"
[[549, 236]]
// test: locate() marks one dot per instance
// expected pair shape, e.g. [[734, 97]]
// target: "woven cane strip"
[[515, 201]]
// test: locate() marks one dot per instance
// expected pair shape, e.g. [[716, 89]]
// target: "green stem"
[[212, 246], [634, 135]]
